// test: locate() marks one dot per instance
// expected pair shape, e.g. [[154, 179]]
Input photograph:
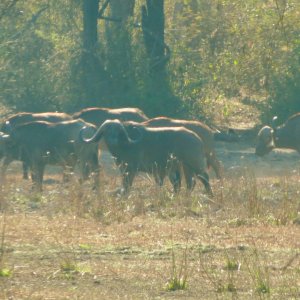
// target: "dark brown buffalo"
[[202, 130], [97, 115], [153, 150], [40, 143], [286, 135], [21, 118], [26, 117]]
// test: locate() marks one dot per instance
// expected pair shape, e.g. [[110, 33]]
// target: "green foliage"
[[229, 287], [263, 288], [259, 273], [284, 96], [235, 48], [4, 272], [178, 280], [85, 247], [176, 283], [231, 265], [68, 266], [34, 56]]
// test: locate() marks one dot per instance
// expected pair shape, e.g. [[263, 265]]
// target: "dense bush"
[[284, 90], [236, 49]]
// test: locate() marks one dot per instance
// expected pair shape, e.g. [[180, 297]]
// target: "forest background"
[[180, 58]]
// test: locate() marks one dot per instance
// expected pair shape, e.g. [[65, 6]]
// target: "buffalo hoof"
[[119, 192]]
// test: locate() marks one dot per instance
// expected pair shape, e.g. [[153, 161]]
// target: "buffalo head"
[[113, 132], [7, 127], [265, 141], [4, 139]]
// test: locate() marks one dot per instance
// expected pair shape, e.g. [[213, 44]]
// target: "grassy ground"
[[72, 243]]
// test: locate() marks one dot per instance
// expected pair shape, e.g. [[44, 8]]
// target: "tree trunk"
[[120, 52], [153, 24], [93, 77], [122, 8], [90, 21], [160, 97]]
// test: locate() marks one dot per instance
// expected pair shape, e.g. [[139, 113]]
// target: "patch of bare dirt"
[[240, 155]]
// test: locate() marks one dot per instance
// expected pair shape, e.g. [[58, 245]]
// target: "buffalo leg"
[[200, 174], [84, 170], [174, 173], [25, 170], [204, 178], [38, 174], [95, 175], [215, 163], [94, 168], [159, 175], [189, 178], [128, 177], [175, 179], [7, 160], [67, 170]]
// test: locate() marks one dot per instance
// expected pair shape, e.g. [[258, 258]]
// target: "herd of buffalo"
[[160, 146]]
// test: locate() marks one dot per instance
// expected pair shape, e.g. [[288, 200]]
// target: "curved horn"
[[125, 136], [114, 131], [95, 138], [4, 137], [7, 127], [265, 135]]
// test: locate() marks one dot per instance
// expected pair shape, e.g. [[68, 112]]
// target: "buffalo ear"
[[130, 135], [123, 137], [135, 133]]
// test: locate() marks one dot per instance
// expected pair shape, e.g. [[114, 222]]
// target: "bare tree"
[[118, 34], [90, 20], [92, 74], [122, 9], [153, 24]]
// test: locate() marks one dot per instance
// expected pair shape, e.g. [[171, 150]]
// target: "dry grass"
[[72, 243]]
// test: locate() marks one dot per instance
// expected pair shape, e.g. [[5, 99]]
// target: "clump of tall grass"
[[179, 272], [4, 270]]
